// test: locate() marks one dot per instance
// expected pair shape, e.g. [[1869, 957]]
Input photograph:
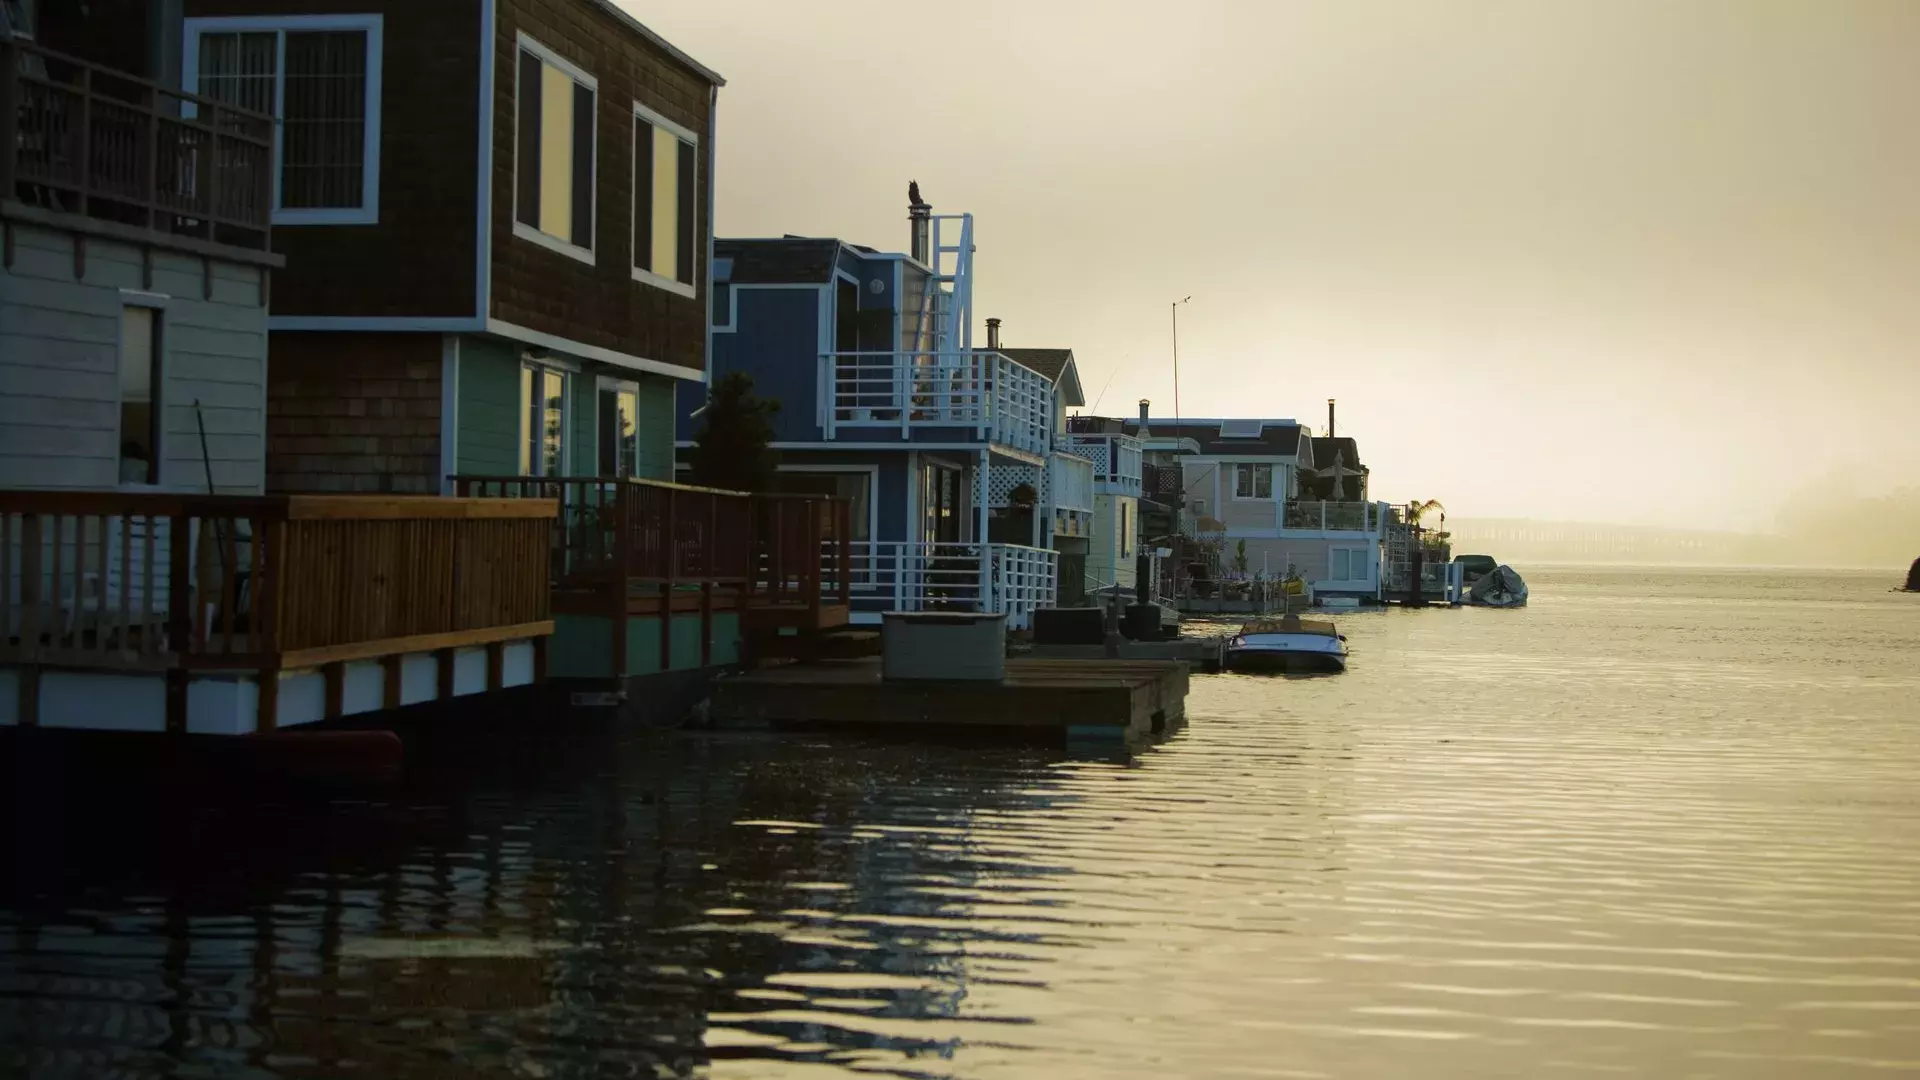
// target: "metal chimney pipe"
[[921, 215], [1145, 405], [1329, 418], [993, 333]]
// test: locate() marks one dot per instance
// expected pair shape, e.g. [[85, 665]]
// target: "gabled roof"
[[626, 17], [1058, 367], [787, 260]]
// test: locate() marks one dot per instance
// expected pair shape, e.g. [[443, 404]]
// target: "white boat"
[[1287, 644], [1502, 588]]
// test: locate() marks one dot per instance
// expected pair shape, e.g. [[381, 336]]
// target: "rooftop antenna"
[[1095, 410]]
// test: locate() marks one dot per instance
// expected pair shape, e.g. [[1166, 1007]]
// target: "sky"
[[1619, 260]]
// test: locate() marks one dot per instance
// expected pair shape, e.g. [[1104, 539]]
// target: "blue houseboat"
[[954, 457]]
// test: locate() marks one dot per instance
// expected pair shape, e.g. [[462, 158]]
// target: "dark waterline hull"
[[1266, 661]]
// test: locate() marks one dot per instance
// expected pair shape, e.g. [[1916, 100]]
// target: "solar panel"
[[1240, 429]]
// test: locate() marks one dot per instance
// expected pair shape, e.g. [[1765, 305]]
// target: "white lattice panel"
[[1002, 479]]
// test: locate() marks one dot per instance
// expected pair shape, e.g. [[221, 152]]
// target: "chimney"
[[1145, 404], [921, 216], [1329, 418], [993, 333]]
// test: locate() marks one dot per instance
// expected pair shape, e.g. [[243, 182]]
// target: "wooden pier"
[[1201, 653], [1069, 700]]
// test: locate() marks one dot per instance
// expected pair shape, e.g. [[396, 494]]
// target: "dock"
[[1202, 653], [1069, 700]]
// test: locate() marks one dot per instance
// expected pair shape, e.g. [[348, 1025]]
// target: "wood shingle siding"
[[599, 304], [60, 363], [354, 412], [419, 260]]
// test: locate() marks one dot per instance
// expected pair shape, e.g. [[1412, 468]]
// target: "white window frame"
[[1253, 468], [733, 309], [648, 277], [601, 384], [1362, 553], [571, 250], [158, 304], [368, 213], [566, 418]]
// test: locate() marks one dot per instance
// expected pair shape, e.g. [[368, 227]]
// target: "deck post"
[[624, 515], [706, 623], [29, 689], [843, 510], [180, 602], [811, 567], [670, 550]]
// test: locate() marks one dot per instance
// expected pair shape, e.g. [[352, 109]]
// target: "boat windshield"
[[1288, 625]]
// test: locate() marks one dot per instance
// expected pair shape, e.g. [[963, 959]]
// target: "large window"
[[1351, 564], [1253, 481], [543, 421], [554, 152], [320, 77], [665, 226], [140, 404], [619, 428]]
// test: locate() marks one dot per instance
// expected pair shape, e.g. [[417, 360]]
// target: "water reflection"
[[1638, 828]]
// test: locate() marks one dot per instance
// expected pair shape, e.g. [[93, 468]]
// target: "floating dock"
[[1072, 700], [1199, 653]]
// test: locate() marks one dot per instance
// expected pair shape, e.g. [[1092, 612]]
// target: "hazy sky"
[[1635, 261]]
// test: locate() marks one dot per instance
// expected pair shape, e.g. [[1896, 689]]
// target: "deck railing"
[[1116, 460], [158, 582], [1009, 403], [771, 548], [1328, 516], [76, 137], [1009, 579], [1070, 481]]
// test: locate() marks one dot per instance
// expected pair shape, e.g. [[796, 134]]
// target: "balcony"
[[869, 395], [237, 590], [1009, 579], [77, 138], [1328, 516], [1070, 488], [1117, 468], [1163, 484]]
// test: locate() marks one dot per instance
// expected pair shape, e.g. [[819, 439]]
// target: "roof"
[[620, 13], [1056, 364], [1277, 438], [791, 259], [1326, 449]]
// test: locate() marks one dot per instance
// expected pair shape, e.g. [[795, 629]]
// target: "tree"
[[731, 449]]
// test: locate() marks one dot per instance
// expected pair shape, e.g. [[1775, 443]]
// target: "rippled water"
[[1659, 823]]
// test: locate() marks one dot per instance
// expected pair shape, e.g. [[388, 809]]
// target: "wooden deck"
[[1065, 699], [1202, 653]]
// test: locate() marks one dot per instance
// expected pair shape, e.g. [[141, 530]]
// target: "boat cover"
[[1501, 588]]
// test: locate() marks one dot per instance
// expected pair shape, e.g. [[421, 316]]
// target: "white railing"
[[1318, 516], [1000, 578], [1115, 457], [1002, 401], [1070, 482]]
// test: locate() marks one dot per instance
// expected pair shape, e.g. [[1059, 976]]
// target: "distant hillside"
[[1523, 540]]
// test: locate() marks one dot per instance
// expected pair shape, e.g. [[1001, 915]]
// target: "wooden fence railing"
[[612, 534], [108, 580]]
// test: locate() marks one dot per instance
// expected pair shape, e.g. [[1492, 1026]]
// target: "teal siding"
[[583, 453], [582, 645], [488, 443], [656, 426]]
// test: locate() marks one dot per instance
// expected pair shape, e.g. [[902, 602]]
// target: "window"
[[856, 487], [543, 421], [619, 428], [722, 307], [140, 395], [320, 77], [1350, 564], [553, 152], [665, 226], [1126, 531], [1253, 481]]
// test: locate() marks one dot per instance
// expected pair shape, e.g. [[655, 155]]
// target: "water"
[[1659, 823]]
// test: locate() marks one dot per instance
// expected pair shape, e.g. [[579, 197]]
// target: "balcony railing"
[[1008, 579], [1327, 516], [1070, 482], [79, 138], [1002, 401], [156, 582], [1116, 460]]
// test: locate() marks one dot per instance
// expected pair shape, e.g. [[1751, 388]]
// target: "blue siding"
[[776, 342]]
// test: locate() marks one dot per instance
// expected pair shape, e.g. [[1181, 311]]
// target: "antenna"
[[1095, 410]]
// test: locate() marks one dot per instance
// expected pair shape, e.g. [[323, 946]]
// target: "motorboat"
[[1502, 588], [1288, 644]]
